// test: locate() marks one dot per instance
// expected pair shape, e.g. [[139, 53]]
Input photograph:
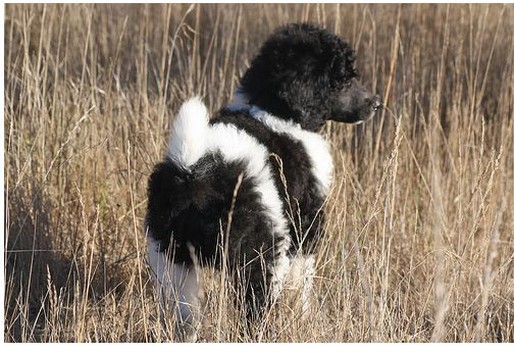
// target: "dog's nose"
[[376, 102]]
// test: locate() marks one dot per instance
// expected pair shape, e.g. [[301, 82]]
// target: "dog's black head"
[[306, 74]]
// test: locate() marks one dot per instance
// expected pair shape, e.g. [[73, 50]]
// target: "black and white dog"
[[246, 187]]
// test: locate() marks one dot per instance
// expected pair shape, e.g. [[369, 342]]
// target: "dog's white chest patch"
[[315, 145]]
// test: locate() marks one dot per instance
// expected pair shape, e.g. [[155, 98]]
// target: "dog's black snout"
[[376, 102]]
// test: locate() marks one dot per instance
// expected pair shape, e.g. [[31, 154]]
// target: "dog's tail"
[[188, 141]]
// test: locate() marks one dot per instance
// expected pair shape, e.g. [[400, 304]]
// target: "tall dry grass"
[[420, 238]]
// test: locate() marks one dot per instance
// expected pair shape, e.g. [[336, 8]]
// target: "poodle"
[[244, 189]]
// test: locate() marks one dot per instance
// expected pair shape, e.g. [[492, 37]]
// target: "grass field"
[[420, 239]]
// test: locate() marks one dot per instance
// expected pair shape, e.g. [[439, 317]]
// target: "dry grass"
[[420, 240]]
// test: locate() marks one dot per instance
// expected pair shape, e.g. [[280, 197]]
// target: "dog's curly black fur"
[[298, 73], [258, 168]]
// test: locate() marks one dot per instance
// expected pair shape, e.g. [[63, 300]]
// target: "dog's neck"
[[241, 102]]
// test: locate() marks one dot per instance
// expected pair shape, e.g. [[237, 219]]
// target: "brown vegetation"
[[420, 240]]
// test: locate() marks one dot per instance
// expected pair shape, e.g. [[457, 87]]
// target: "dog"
[[246, 188]]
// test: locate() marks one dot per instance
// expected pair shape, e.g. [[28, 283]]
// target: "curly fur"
[[298, 74], [253, 178]]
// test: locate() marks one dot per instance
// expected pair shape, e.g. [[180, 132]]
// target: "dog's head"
[[306, 74]]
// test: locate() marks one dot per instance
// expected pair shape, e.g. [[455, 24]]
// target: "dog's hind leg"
[[180, 292], [186, 297]]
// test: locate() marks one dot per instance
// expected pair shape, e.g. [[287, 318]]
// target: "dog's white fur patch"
[[315, 145], [189, 133], [179, 289]]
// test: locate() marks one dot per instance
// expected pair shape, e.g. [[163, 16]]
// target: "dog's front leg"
[[300, 279]]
